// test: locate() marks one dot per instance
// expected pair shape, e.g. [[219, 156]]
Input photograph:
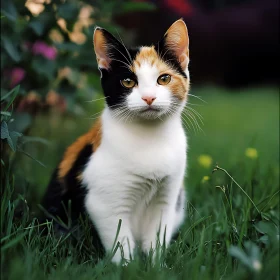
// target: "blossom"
[[182, 7], [45, 50], [205, 161], [53, 99], [16, 74], [205, 179], [251, 153], [257, 265]]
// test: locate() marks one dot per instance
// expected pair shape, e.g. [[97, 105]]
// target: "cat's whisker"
[[188, 103], [119, 113], [185, 122], [169, 60], [92, 118], [164, 54], [97, 113], [127, 65], [193, 120], [196, 113], [190, 121], [125, 116], [159, 54], [198, 97], [189, 113], [111, 45], [98, 99], [186, 119], [125, 47]]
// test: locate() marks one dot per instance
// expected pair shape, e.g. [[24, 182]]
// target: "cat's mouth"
[[150, 109], [148, 112]]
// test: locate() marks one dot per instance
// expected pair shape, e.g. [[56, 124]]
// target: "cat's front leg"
[[160, 218], [106, 217]]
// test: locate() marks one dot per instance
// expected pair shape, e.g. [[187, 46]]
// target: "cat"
[[130, 166]]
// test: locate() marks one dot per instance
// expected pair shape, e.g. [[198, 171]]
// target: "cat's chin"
[[151, 114]]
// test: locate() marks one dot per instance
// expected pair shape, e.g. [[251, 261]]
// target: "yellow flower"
[[205, 161], [205, 179], [251, 153]]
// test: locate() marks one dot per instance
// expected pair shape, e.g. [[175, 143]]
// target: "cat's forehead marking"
[[148, 55]]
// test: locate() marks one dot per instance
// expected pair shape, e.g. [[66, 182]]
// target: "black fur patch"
[[58, 196], [121, 59]]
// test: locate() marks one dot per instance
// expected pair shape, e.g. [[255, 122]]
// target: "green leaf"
[[137, 6], [43, 21], [238, 253], [15, 93], [38, 27], [13, 139], [8, 8], [31, 139], [68, 46], [4, 130], [11, 136], [30, 156], [44, 67], [13, 242], [5, 113], [266, 228], [5, 96], [68, 11], [11, 49], [20, 122]]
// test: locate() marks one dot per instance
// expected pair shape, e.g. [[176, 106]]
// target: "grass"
[[232, 225]]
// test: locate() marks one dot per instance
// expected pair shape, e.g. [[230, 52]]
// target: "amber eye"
[[128, 83], [164, 79]]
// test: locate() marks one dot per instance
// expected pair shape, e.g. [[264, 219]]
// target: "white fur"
[[137, 172], [147, 86]]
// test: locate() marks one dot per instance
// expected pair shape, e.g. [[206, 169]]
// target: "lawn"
[[232, 225]]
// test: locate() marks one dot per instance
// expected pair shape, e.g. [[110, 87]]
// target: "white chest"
[[149, 152]]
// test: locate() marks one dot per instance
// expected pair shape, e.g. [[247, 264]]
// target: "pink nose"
[[149, 100]]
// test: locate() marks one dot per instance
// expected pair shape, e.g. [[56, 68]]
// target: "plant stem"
[[219, 168]]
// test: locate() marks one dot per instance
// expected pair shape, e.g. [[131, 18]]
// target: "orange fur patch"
[[146, 54], [73, 151], [178, 85]]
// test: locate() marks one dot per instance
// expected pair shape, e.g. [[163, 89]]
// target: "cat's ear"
[[177, 41], [104, 46]]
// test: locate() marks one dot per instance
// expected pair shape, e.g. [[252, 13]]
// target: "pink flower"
[[45, 50], [17, 74], [182, 7]]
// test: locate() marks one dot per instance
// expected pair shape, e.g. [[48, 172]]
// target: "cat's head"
[[147, 82]]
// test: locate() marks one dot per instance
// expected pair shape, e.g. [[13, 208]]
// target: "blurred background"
[[50, 90]]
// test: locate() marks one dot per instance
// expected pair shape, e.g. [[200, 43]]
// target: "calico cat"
[[130, 166]]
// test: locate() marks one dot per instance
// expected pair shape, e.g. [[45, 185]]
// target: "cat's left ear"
[[177, 41], [105, 47]]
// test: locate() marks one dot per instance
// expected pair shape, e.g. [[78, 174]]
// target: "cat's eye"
[[128, 83], [164, 79]]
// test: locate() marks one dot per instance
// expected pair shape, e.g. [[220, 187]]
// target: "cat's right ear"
[[177, 40]]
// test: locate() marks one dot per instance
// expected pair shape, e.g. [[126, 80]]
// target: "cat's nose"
[[149, 100]]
